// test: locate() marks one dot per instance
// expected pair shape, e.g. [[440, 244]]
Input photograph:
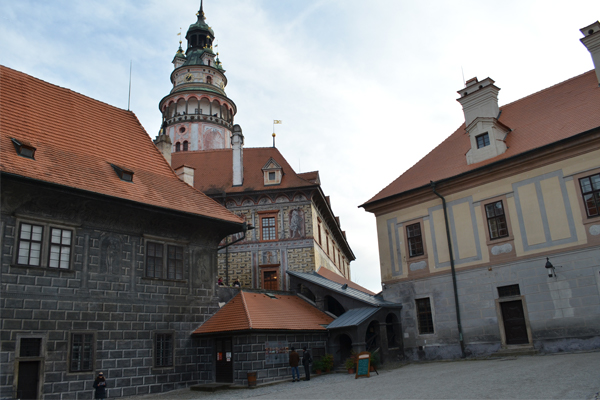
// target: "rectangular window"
[[496, 220], [30, 244], [175, 262], [60, 248], [415, 240], [41, 245], [482, 140], [269, 231], [510, 290], [82, 352], [163, 350], [154, 260], [424, 316], [30, 347], [590, 189]]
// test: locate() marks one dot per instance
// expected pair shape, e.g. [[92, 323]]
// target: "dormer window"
[[482, 140], [272, 173], [24, 149], [124, 174]]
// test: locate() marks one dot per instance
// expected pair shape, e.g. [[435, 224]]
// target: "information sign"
[[363, 364]]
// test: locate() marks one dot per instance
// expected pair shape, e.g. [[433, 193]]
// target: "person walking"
[[100, 386], [306, 361], [294, 360]]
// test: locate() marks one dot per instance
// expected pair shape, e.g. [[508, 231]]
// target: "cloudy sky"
[[364, 88]]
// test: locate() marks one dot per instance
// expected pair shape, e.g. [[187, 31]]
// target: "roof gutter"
[[460, 332]]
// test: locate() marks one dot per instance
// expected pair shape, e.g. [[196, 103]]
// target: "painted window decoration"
[[424, 316], [590, 188], [415, 240], [496, 220], [159, 266], [483, 140], [269, 230], [30, 244], [82, 352], [163, 350]]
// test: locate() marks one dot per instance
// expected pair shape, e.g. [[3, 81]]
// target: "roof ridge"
[[548, 88], [246, 309]]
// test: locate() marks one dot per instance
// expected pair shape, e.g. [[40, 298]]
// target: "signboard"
[[277, 352], [363, 364]]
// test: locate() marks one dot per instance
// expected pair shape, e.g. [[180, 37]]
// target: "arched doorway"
[[306, 292], [372, 339], [345, 348], [334, 306]]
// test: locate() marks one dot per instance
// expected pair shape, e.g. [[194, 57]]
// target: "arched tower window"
[[209, 79], [185, 146], [177, 146]]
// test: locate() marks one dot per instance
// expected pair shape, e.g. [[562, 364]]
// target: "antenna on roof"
[[463, 74], [129, 99]]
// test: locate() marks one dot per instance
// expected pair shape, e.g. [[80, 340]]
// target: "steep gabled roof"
[[259, 311], [214, 170], [545, 117], [78, 138]]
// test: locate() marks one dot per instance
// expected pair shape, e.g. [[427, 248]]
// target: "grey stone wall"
[[105, 292], [249, 355], [563, 312]]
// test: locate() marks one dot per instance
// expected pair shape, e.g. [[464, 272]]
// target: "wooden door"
[[515, 327], [27, 387], [270, 280], [223, 360]]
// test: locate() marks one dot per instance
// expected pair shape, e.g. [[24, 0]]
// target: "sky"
[[364, 89]]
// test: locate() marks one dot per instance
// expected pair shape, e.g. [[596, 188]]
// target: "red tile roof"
[[78, 138], [555, 113], [257, 311], [332, 276], [214, 170]]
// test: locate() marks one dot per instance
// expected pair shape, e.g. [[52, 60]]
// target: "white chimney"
[[237, 144], [480, 106], [164, 145], [591, 41], [186, 174]]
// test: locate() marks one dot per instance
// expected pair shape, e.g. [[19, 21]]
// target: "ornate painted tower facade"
[[197, 114]]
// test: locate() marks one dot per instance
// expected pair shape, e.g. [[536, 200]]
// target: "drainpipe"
[[460, 332]]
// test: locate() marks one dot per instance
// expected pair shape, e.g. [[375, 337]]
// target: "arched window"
[[177, 146], [185, 146], [209, 80]]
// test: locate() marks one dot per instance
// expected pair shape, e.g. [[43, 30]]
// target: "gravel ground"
[[559, 376]]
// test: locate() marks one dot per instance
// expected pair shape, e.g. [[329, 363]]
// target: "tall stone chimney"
[[480, 106], [591, 41], [164, 145], [237, 143], [186, 174]]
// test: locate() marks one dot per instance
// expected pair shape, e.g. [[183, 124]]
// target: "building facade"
[[294, 225], [99, 273], [499, 250]]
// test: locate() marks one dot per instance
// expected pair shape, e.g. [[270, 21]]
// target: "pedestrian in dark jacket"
[[294, 360], [306, 361], [100, 386]]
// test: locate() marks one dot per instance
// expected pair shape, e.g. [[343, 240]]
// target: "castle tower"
[[197, 114]]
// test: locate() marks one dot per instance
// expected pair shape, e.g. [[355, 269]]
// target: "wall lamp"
[[551, 269]]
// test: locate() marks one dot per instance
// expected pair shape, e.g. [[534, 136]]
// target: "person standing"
[[306, 361], [294, 361], [100, 386]]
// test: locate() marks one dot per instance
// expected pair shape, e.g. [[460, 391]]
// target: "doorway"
[[515, 326], [27, 387], [223, 360]]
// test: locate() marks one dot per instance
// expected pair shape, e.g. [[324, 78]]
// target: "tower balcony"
[[197, 117]]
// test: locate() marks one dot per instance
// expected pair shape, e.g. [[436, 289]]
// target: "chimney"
[[480, 106], [591, 41], [237, 143], [164, 145], [186, 174], [479, 99]]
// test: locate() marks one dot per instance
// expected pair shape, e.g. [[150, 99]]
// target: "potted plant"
[[350, 364], [375, 360], [327, 362], [317, 367]]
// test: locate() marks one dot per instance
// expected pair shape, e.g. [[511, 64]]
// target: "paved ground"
[[560, 376]]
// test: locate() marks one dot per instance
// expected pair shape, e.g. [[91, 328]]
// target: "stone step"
[[515, 351], [210, 387]]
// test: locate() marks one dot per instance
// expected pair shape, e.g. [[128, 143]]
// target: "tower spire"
[[201, 12]]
